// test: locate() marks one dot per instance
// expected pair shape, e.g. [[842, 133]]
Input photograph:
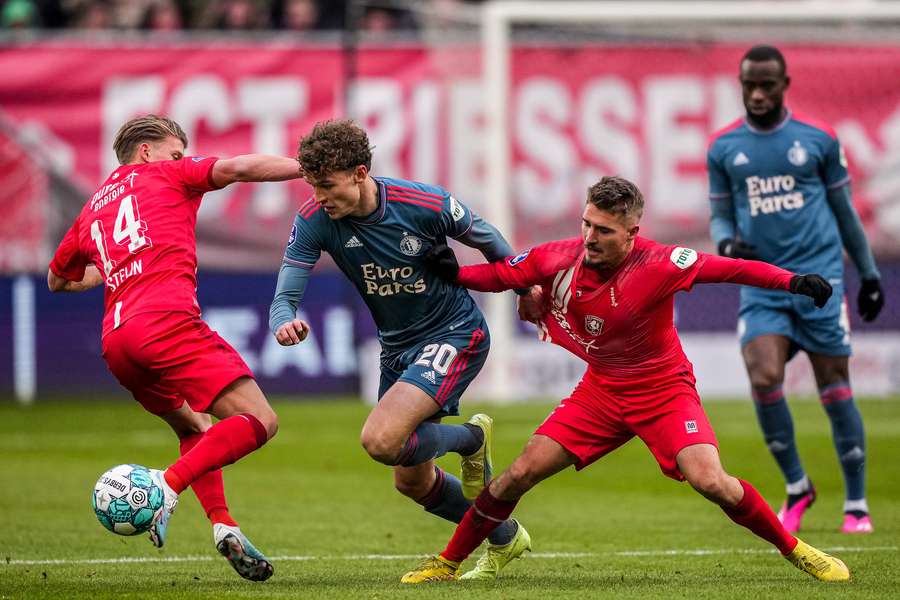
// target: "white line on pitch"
[[184, 559]]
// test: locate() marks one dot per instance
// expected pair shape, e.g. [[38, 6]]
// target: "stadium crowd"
[[220, 15]]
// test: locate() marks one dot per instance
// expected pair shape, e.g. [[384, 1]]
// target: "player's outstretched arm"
[[492, 277], [254, 167], [719, 269], [92, 278]]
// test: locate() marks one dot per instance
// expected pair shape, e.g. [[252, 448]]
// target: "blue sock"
[[446, 500], [849, 437], [433, 440], [778, 430]]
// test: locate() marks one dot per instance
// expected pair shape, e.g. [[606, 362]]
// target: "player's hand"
[[737, 249], [813, 286], [870, 300], [531, 306], [441, 260], [292, 332]]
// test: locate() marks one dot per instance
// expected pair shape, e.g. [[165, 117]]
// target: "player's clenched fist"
[[813, 286], [441, 260], [292, 332]]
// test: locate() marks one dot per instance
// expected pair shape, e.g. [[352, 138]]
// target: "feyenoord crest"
[[797, 154], [410, 245], [593, 325]]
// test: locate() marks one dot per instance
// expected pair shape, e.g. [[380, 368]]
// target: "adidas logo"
[[353, 243], [740, 159], [428, 376]]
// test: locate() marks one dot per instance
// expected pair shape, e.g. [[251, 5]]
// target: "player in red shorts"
[[136, 235], [610, 302]]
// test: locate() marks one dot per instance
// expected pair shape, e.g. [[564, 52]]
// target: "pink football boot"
[[791, 516], [854, 524]]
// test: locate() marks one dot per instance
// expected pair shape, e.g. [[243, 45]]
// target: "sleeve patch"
[[456, 209], [683, 257], [517, 259], [198, 158], [842, 156], [293, 235]]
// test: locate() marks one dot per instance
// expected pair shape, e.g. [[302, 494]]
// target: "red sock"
[[224, 443], [755, 514], [479, 521], [209, 488]]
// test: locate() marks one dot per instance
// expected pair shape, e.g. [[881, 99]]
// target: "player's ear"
[[787, 82], [360, 173], [144, 152], [633, 231]]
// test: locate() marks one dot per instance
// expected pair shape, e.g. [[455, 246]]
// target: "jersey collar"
[[787, 117], [377, 214]]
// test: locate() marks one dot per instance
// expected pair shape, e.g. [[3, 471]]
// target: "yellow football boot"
[[476, 469], [496, 557], [823, 567], [433, 568]]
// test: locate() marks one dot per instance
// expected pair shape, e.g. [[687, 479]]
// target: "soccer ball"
[[126, 500]]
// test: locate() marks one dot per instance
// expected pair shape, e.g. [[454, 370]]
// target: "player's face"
[[170, 148], [763, 85], [340, 193], [607, 237]]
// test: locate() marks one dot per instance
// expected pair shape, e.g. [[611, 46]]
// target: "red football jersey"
[[622, 326], [138, 229]]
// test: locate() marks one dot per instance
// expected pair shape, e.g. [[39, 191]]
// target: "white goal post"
[[498, 18]]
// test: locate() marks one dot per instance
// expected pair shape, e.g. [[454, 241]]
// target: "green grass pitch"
[[312, 497]]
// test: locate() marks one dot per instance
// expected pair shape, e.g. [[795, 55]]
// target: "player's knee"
[[710, 482], [380, 447], [764, 378]]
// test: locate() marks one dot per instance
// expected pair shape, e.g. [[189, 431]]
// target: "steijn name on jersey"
[[769, 195], [387, 281]]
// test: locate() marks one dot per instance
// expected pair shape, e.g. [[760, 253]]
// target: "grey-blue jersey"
[[382, 255], [776, 184]]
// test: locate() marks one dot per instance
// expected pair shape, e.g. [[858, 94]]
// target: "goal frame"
[[497, 20]]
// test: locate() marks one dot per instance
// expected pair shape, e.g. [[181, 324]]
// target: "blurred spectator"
[[162, 15], [236, 15], [93, 14], [379, 19], [19, 14], [300, 15]]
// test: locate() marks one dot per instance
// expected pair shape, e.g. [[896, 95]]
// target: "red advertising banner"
[[575, 114]]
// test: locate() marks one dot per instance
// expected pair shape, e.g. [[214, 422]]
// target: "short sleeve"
[[719, 183], [834, 165], [304, 245], [195, 172], [68, 261]]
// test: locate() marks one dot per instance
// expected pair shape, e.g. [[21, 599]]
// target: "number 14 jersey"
[[138, 229]]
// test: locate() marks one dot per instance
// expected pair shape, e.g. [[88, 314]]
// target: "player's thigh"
[[399, 411], [765, 357], [669, 421], [444, 365], [206, 370], [824, 331], [542, 457], [133, 373], [588, 424]]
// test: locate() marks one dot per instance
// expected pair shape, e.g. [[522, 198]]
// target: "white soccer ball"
[[126, 500]]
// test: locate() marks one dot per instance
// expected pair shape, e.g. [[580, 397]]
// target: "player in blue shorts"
[[433, 337], [780, 192]]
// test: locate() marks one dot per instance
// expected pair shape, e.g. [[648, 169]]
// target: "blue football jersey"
[[382, 255], [777, 181]]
